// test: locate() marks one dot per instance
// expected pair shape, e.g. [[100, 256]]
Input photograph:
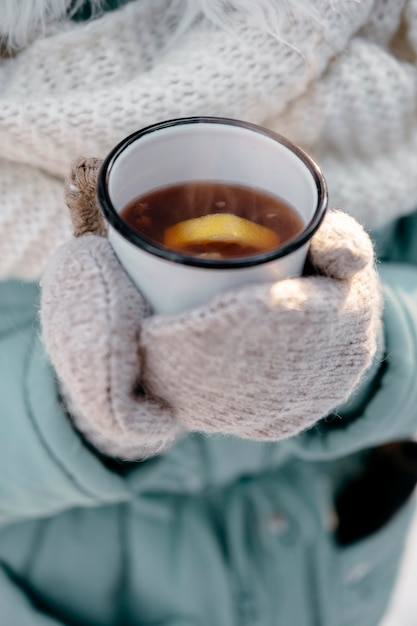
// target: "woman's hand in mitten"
[[91, 317], [261, 362], [266, 361]]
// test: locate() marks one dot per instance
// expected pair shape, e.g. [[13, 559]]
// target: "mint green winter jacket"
[[215, 532]]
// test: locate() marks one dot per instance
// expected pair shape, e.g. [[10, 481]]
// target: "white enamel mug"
[[206, 149]]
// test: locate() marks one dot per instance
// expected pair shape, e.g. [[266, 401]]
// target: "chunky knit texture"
[[262, 362], [341, 82]]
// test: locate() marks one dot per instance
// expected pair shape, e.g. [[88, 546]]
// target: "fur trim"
[[269, 16], [23, 20]]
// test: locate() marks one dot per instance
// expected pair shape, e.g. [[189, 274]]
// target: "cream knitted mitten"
[[261, 362], [267, 361]]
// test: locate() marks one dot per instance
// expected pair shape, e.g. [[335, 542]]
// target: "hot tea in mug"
[[213, 220], [196, 206]]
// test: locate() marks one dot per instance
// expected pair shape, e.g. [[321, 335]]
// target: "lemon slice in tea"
[[220, 228]]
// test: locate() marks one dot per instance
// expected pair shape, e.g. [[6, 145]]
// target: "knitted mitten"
[[266, 361], [262, 362]]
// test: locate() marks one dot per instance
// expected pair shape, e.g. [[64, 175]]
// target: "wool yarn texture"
[[339, 80], [262, 362], [91, 318]]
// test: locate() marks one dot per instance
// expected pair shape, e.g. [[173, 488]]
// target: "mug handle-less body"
[[206, 149]]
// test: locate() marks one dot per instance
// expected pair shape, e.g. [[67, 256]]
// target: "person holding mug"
[[223, 464]]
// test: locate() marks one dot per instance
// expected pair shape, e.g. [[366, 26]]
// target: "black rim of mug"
[[135, 238]]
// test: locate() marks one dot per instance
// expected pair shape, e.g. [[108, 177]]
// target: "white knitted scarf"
[[339, 79]]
